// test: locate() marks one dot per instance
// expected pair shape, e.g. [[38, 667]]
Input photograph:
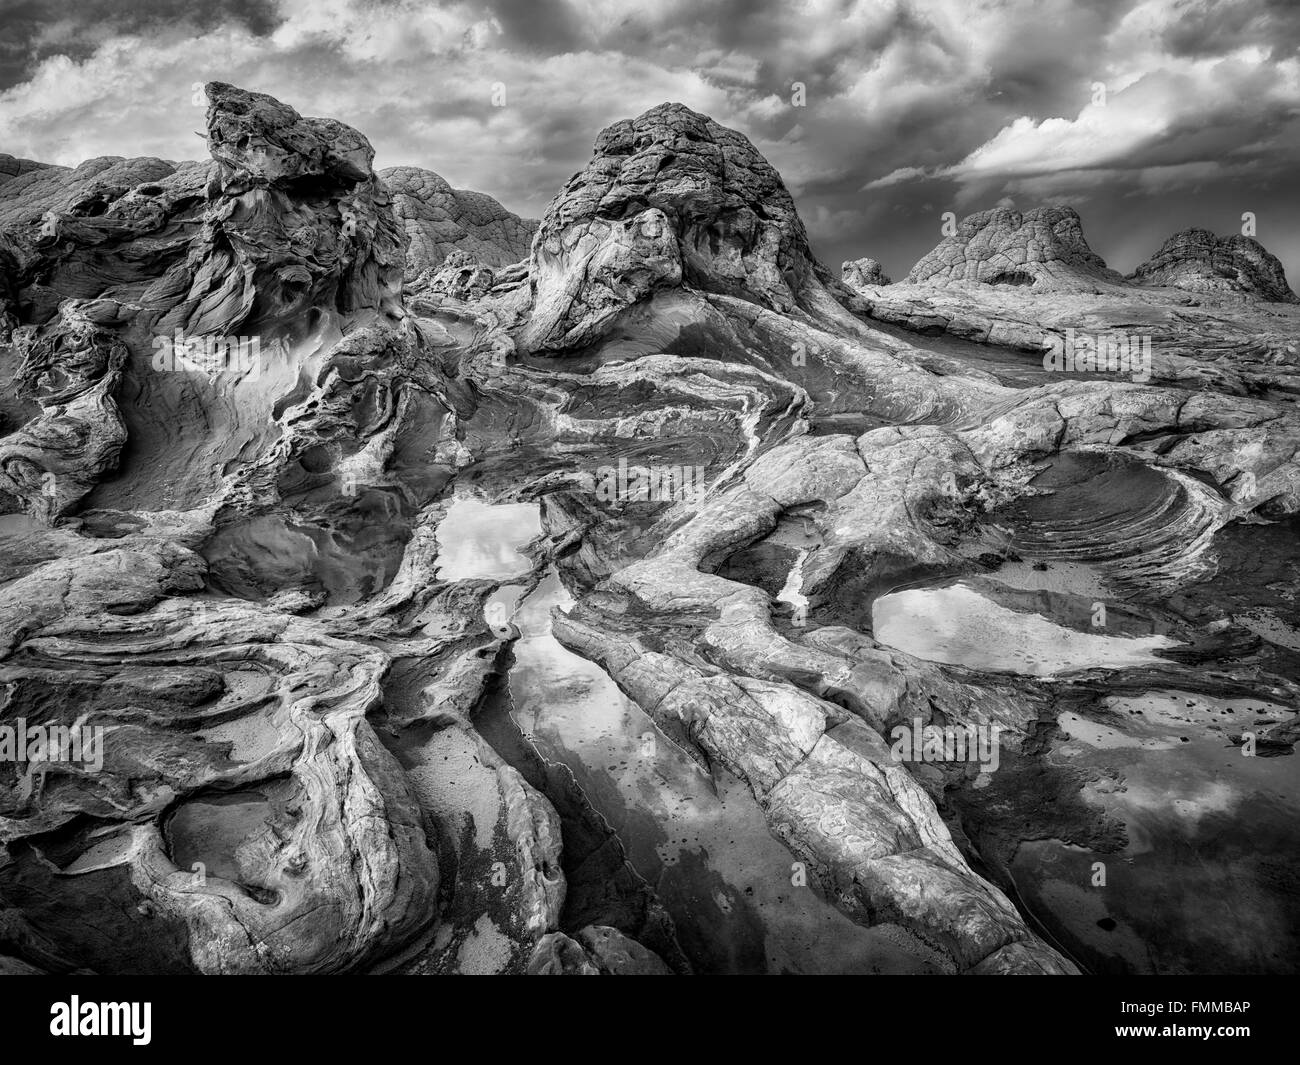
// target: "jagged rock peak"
[[1200, 261], [258, 140], [864, 273], [439, 219], [287, 218], [1043, 247], [298, 201]]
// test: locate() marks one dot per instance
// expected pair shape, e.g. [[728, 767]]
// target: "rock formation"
[[459, 277], [1198, 261], [1193, 342], [1044, 247], [441, 612], [862, 273], [440, 220], [263, 773], [11, 168], [669, 198]]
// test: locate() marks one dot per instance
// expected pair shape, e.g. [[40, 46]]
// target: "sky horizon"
[[1147, 116]]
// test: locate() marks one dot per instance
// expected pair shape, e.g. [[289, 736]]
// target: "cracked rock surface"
[[440, 220], [1198, 261], [861, 272], [1044, 247]]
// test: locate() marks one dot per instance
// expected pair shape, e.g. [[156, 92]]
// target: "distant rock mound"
[[439, 220], [12, 167], [1199, 261], [864, 273], [35, 200], [1044, 247]]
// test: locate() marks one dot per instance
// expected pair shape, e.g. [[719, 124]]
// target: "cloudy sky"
[[1148, 115]]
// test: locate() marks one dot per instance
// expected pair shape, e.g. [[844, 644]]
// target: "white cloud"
[[896, 177]]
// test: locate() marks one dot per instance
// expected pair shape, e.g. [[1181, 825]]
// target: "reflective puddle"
[[958, 624], [482, 540], [1208, 881], [700, 842]]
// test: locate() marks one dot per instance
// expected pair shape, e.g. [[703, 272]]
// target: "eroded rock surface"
[[1043, 247], [517, 607], [440, 220], [11, 167], [670, 198], [858, 273], [1198, 261]]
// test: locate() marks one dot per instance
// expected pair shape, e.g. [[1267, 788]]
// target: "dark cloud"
[[37, 29], [1212, 27], [1048, 64], [547, 27]]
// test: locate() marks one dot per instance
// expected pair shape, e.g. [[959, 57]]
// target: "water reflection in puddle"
[[702, 844], [484, 540], [1208, 881], [958, 625], [210, 832]]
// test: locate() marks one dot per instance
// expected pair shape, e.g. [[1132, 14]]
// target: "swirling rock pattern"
[[669, 198], [255, 765], [244, 570]]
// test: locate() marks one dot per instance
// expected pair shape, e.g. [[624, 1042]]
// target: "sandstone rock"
[[597, 951], [262, 834], [1044, 247], [319, 862], [617, 955], [18, 967], [558, 955], [669, 197], [246, 573], [11, 167], [864, 273], [72, 370], [439, 220], [503, 841], [459, 277], [1198, 261]]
